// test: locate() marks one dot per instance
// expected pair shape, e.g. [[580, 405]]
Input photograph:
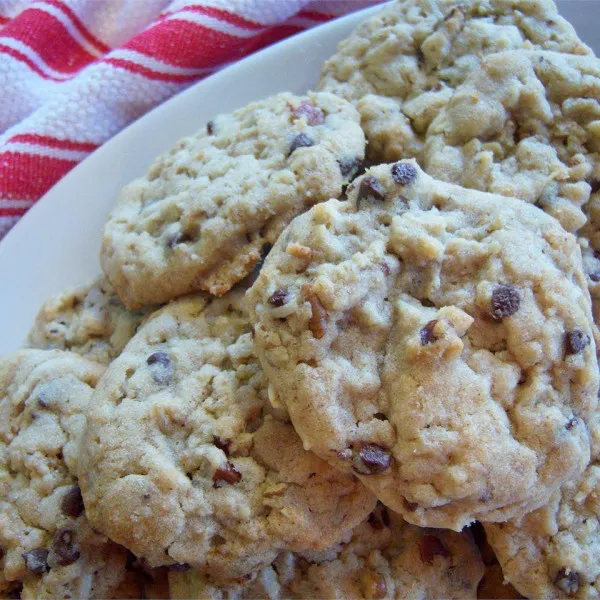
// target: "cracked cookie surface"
[[49, 549], [185, 462], [437, 341], [88, 319], [524, 125], [206, 210], [400, 67], [385, 558]]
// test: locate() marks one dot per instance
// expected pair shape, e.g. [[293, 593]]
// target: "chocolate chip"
[[312, 114], [318, 320], [379, 518], [571, 423], [72, 502], [576, 341], [278, 298], [228, 475], [371, 459], [431, 546], [351, 167], [404, 173], [409, 506], [64, 548], [36, 561], [567, 582], [222, 444], [210, 128], [179, 567], [162, 367], [427, 335], [370, 187], [300, 141], [505, 302], [178, 238]]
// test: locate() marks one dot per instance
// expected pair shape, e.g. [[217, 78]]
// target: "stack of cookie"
[[344, 343]]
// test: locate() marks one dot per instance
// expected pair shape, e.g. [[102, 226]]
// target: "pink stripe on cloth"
[[75, 72]]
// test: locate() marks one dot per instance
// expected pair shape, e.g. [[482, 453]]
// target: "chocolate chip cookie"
[[554, 552], [385, 558], [49, 550], [186, 464], [207, 210], [88, 319], [434, 340], [524, 125], [400, 67]]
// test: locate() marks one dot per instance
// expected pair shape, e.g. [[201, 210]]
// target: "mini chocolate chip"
[[178, 238], [36, 561], [567, 582], [370, 187], [576, 341], [162, 367], [222, 444], [404, 173], [351, 167], [179, 567], [210, 128], [64, 547], [371, 459], [313, 114], [300, 141], [409, 506], [571, 423], [430, 547], [427, 335], [505, 302], [72, 502], [228, 475], [278, 298]]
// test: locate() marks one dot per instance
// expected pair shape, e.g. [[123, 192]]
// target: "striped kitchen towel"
[[75, 72]]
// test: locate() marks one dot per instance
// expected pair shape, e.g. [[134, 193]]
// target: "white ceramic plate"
[[56, 245]]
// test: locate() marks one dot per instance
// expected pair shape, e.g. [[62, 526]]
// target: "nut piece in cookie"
[[49, 549], [183, 443], [205, 210], [438, 343], [382, 559]]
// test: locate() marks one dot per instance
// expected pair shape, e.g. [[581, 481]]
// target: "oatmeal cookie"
[[88, 319], [525, 125], [186, 464], [434, 340], [400, 67], [385, 558], [206, 210], [49, 550]]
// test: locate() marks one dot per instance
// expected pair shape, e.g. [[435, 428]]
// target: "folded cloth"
[[75, 72]]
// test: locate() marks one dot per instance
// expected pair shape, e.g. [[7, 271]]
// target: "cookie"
[[88, 319], [434, 340], [186, 464], [385, 558], [554, 552], [525, 125], [206, 210], [49, 550], [400, 67]]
